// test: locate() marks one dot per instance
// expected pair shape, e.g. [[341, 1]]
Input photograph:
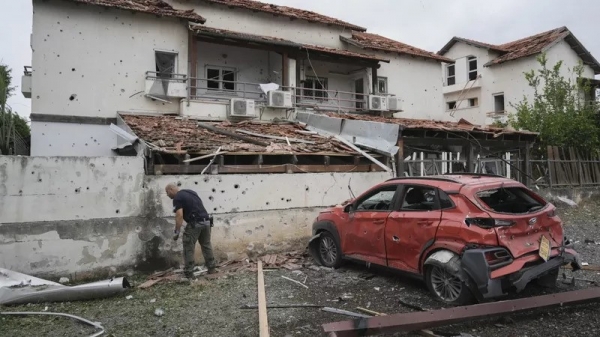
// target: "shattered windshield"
[[511, 200]]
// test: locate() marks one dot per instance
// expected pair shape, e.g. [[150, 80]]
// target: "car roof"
[[454, 181]]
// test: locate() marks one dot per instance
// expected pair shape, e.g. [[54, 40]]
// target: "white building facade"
[[486, 81], [206, 59]]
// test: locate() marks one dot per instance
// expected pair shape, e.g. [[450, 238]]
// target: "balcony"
[[26, 82], [462, 87]]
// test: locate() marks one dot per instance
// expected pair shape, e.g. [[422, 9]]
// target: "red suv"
[[467, 236]]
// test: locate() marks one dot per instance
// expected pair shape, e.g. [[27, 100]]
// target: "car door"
[[364, 235], [411, 225]]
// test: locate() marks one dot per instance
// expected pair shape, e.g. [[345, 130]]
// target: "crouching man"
[[188, 207]]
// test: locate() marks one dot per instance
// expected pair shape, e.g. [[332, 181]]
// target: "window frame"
[[385, 80], [448, 76], [503, 102], [469, 70], [325, 83], [476, 100], [374, 192], [448, 108], [439, 191], [437, 206], [175, 63], [221, 69]]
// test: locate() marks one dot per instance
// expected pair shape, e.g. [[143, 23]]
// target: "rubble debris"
[[567, 201], [128, 297], [262, 304], [573, 279], [95, 325], [63, 280], [425, 320], [411, 306], [297, 282], [586, 267], [17, 288], [159, 312], [282, 306], [370, 312], [153, 300]]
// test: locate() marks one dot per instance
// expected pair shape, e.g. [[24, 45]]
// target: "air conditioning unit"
[[377, 103], [394, 103], [241, 107], [279, 99]]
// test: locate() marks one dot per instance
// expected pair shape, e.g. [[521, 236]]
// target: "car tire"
[[329, 251], [445, 286]]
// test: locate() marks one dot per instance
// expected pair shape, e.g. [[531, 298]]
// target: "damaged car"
[[468, 236]]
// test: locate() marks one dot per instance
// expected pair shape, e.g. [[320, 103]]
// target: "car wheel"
[[445, 286], [330, 252]]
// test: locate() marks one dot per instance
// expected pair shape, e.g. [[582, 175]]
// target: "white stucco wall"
[[507, 78], [258, 23], [59, 139], [67, 216]]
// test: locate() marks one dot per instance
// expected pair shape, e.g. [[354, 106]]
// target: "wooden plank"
[[291, 140], [232, 135], [560, 173], [197, 169], [551, 166], [262, 304], [365, 154]]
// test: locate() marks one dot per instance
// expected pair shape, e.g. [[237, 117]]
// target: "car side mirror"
[[349, 208]]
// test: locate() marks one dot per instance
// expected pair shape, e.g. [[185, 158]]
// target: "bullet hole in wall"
[[222, 191], [211, 198], [195, 182], [243, 192], [214, 190], [20, 191], [77, 190], [236, 186], [178, 183], [267, 203], [72, 97], [72, 69], [117, 211], [306, 188], [215, 209]]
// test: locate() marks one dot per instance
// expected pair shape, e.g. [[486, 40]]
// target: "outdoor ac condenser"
[[377, 103], [241, 107], [394, 103], [279, 99]]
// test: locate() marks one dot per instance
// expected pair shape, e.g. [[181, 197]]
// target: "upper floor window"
[[451, 105], [166, 64], [450, 74], [315, 88], [382, 85], [473, 102], [499, 102], [220, 78], [472, 66]]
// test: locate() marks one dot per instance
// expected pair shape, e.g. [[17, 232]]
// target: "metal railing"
[[171, 77], [27, 70]]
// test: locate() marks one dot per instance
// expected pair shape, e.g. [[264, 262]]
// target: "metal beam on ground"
[[437, 318]]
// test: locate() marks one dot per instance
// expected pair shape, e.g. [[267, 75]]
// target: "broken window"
[[166, 64], [473, 102], [314, 88], [472, 60], [451, 105], [419, 198], [382, 85], [380, 200], [450, 75], [511, 200], [499, 103], [220, 78]]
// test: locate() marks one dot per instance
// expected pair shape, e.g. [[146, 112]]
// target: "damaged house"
[[485, 80]]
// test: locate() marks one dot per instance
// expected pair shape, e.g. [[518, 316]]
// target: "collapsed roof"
[[156, 7]]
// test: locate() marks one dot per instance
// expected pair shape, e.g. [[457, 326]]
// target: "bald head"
[[171, 190]]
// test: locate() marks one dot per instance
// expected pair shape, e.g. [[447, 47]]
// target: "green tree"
[[10, 122], [559, 111]]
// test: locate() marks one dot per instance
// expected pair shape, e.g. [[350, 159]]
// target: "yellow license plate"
[[544, 251]]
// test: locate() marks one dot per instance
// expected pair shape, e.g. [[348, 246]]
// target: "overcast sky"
[[427, 24]]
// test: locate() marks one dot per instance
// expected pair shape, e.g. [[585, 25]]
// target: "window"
[[472, 66], [379, 201], [419, 198], [313, 88], [499, 103], [451, 105], [166, 64], [382, 85], [445, 201], [450, 75], [511, 200], [473, 102], [220, 78]]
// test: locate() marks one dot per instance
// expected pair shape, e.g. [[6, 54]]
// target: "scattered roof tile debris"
[[170, 132], [157, 7], [292, 13], [378, 42], [529, 46], [424, 124], [203, 30]]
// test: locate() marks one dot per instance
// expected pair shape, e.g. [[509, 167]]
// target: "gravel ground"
[[213, 308]]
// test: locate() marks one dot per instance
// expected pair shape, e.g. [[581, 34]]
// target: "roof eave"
[[362, 46]]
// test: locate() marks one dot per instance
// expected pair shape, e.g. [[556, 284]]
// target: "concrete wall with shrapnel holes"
[[81, 216]]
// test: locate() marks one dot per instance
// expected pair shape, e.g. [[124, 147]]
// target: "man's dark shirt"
[[193, 209]]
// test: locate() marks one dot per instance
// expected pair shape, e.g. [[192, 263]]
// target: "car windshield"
[[511, 200]]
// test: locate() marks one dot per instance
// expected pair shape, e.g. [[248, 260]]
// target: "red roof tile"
[[378, 42], [203, 30], [530, 45], [156, 7], [293, 13], [455, 39]]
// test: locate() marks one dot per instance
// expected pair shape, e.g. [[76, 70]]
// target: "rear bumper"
[[486, 284]]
